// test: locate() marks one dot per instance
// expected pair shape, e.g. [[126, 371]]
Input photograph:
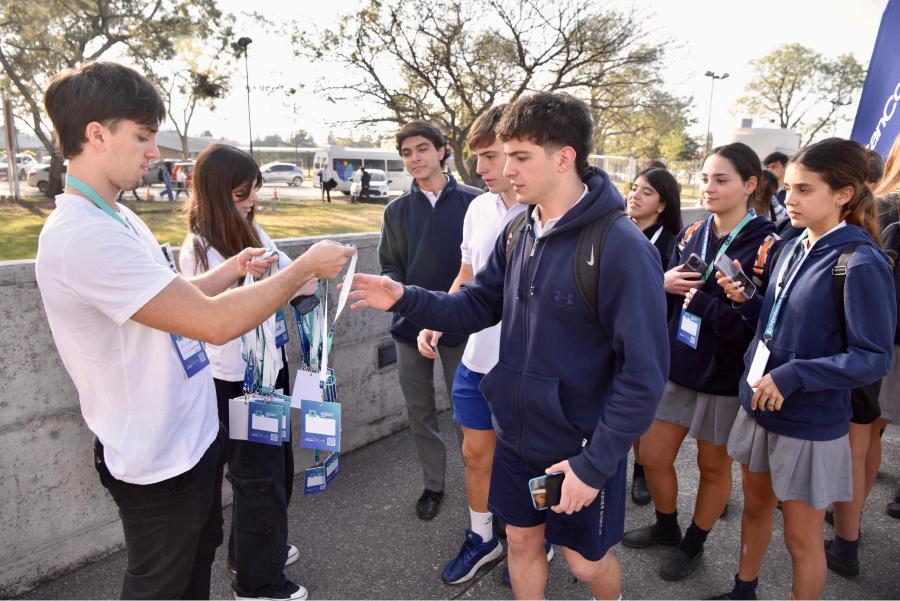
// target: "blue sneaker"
[[547, 547], [472, 556]]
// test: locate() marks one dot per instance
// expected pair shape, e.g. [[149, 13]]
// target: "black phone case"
[[554, 489]]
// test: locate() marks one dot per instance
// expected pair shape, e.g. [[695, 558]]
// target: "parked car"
[[24, 162], [39, 176], [288, 173], [378, 185]]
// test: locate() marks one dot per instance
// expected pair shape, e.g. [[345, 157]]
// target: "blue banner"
[[878, 117]]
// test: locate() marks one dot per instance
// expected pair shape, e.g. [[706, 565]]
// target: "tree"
[[302, 138], [802, 90], [448, 61], [198, 75], [656, 127], [38, 39]]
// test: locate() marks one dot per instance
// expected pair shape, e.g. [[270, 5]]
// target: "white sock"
[[482, 524]]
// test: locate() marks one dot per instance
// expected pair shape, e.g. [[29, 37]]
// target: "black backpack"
[[587, 276]]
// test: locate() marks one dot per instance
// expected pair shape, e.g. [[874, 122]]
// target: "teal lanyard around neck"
[[95, 198]]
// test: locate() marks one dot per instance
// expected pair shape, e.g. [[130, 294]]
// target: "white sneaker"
[[293, 554], [291, 591]]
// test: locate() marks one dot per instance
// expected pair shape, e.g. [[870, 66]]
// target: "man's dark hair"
[[428, 131], [483, 132], [776, 157], [550, 119], [99, 91]]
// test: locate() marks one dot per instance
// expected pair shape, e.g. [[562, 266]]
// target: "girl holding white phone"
[[791, 437]]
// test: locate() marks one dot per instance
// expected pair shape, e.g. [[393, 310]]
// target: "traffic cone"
[[276, 193], [149, 196]]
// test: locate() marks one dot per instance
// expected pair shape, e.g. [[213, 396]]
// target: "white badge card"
[[237, 418], [689, 329], [320, 426], [332, 467], [306, 388], [191, 354], [314, 480], [759, 363], [281, 331], [264, 422]]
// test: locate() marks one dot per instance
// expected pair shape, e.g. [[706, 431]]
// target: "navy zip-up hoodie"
[[715, 366], [809, 362], [568, 385], [420, 245]]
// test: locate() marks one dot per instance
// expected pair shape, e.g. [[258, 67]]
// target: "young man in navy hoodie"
[[419, 246], [572, 388]]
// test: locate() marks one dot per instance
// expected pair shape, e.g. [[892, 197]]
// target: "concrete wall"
[[55, 514]]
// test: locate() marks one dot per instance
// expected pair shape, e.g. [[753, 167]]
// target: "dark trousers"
[[172, 528], [262, 478]]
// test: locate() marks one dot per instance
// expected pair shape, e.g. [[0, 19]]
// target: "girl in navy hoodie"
[[654, 205], [791, 437], [707, 341]]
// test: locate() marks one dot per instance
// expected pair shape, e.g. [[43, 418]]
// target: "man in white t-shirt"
[[126, 325], [486, 217]]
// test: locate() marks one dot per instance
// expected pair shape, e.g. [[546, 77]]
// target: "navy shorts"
[[591, 531], [470, 410]]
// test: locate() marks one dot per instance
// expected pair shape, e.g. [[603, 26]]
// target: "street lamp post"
[[713, 77], [244, 42]]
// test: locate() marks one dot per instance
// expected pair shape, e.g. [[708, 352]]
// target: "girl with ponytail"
[[707, 340], [824, 326]]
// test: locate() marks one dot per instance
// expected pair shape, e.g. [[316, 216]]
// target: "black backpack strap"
[[514, 230], [839, 274], [587, 258]]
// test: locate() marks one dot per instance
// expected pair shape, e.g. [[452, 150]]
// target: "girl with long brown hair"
[[812, 346], [220, 213]]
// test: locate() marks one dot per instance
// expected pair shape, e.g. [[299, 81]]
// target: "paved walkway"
[[362, 540]]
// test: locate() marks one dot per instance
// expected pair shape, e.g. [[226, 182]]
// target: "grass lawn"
[[20, 223]]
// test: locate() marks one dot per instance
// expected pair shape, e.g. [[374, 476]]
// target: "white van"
[[346, 161]]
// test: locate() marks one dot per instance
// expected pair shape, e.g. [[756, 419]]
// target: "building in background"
[[765, 140]]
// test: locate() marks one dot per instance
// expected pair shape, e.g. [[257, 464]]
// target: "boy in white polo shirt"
[[486, 217], [125, 325]]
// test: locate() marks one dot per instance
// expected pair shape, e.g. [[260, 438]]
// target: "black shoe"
[[429, 504], [893, 509], [848, 568], [640, 494], [499, 527], [646, 537], [728, 596], [678, 565]]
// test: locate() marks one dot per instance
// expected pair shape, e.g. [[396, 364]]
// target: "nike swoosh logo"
[[591, 260]]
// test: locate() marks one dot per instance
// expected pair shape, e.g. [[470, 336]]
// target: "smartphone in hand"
[[546, 490], [696, 264], [727, 266]]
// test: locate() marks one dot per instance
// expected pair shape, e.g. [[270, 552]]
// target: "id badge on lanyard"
[[191, 353], [689, 324]]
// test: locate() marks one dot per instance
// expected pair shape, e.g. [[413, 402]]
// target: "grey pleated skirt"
[[889, 397], [707, 417], [817, 472]]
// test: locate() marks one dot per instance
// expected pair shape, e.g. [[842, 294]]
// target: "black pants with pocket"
[[172, 528], [261, 479]]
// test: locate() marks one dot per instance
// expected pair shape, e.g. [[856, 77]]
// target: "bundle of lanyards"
[[315, 386], [267, 410]]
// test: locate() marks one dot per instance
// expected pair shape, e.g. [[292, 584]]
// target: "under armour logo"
[[590, 261]]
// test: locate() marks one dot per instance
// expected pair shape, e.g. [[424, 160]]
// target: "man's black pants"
[[172, 528]]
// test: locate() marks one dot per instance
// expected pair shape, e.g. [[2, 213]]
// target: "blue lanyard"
[[92, 195], [787, 278], [731, 236]]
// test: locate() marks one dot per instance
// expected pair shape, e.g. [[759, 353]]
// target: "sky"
[[718, 35]]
